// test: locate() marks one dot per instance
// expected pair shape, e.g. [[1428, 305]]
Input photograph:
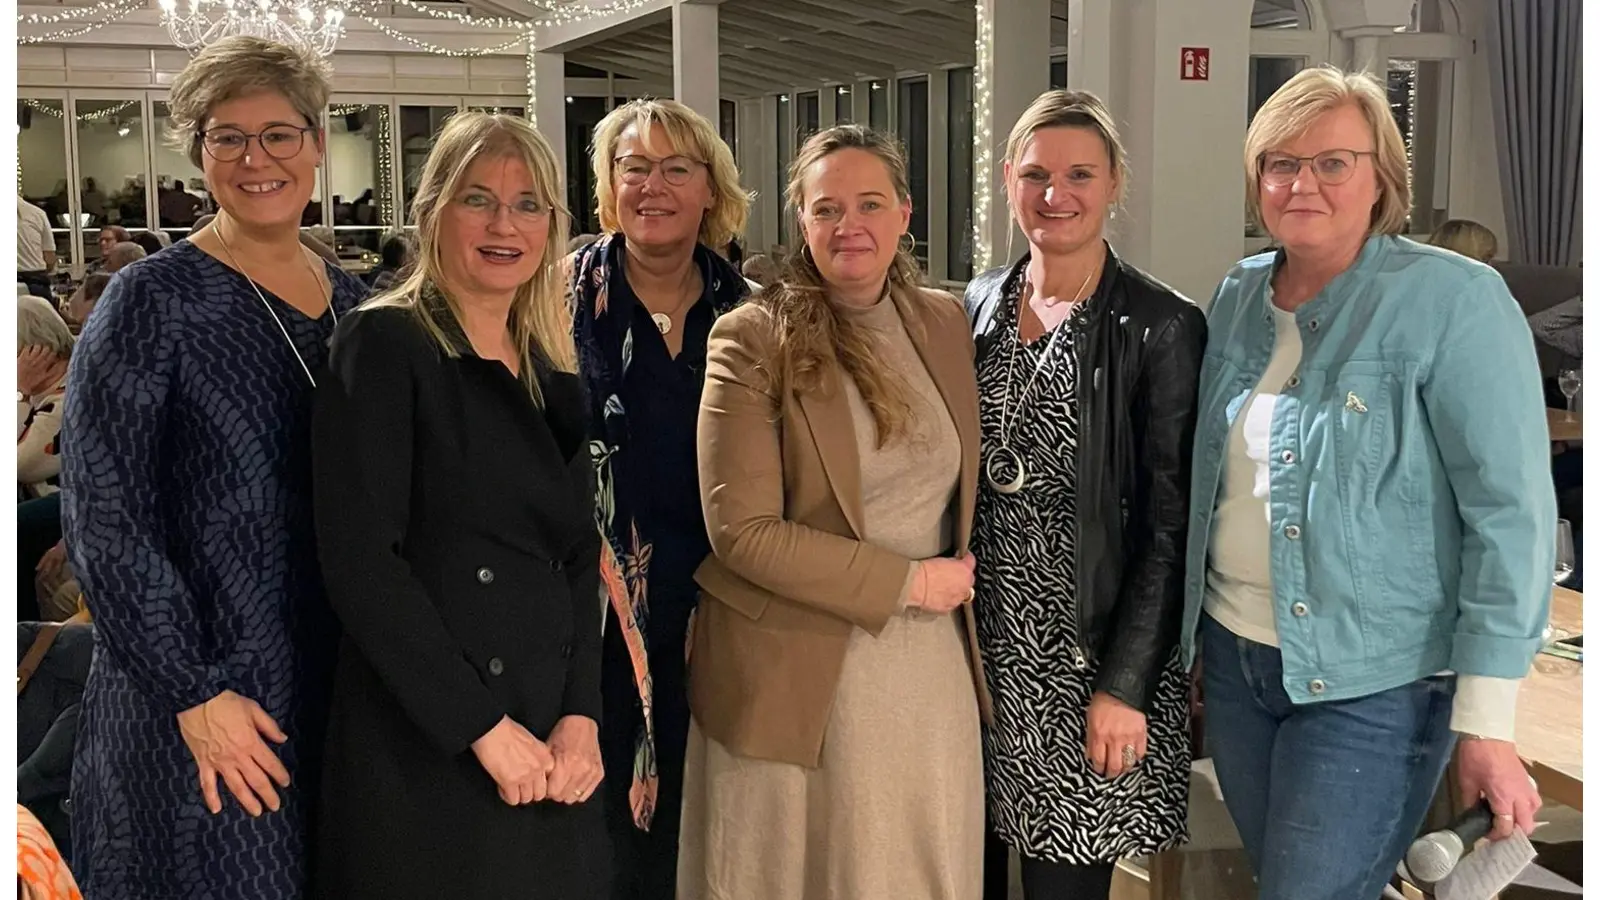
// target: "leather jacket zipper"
[[1080, 655]]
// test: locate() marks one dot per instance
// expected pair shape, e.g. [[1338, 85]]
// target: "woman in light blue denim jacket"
[[1369, 565]]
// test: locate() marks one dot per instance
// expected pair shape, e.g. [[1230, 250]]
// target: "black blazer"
[[1143, 342], [455, 525]]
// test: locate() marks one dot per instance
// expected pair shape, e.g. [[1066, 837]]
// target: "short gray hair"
[[124, 253], [39, 325], [238, 66]]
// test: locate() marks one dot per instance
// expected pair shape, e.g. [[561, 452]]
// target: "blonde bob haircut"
[[1468, 238], [539, 320], [1305, 98], [689, 134], [236, 67]]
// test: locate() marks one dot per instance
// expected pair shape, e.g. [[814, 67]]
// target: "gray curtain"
[[1535, 78]]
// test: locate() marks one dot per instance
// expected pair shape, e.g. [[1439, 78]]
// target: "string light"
[[385, 169], [533, 85], [982, 137], [112, 11], [81, 117], [107, 7], [437, 49]]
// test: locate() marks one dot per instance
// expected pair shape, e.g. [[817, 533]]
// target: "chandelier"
[[312, 25]]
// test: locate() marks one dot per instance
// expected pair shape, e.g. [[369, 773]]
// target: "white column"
[[752, 148], [939, 174], [1366, 52], [769, 180], [827, 106], [694, 58], [1090, 45], [1013, 55], [1184, 215], [861, 103], [547, 82]]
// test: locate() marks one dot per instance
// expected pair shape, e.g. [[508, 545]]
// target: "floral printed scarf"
[[603, 329]]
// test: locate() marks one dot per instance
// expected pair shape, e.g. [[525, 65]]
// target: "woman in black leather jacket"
[[1087, 371]]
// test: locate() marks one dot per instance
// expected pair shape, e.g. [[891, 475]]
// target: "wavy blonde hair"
[[690, 135], [1468, 238], [1307, 97], [812, 335], [539, 318]]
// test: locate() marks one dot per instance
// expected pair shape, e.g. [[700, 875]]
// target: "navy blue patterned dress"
[[187, 513]]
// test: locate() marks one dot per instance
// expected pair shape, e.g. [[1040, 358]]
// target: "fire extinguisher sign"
[[1196, 64]]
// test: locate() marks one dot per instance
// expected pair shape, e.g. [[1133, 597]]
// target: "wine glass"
[[1566, 561], [1570, 381]]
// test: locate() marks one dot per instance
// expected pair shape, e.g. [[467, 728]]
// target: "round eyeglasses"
[[675, 170], [1330, 166], [226, 144]]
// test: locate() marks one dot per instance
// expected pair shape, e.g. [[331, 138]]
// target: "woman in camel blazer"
[[833, 677]]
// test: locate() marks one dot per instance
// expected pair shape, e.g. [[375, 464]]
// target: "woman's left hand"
[[1491, 769], [36, 369], [1114, 725], [575, 743]]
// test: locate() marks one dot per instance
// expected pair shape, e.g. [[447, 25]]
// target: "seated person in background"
[[397, 253], [44, 345], [41, 872], [151, 244], [760, 268], [1561, 326], [110, 236], [82, 301], [121, 255], [1466, 237]]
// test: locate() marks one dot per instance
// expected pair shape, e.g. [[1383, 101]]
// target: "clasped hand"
[[526, 770], [941, 584]]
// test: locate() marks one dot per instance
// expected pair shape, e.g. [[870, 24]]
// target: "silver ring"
[[1130, 756], [1504, 816]]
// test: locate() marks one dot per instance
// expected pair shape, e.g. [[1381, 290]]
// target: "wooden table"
[[1564, 425], [1550, 712]]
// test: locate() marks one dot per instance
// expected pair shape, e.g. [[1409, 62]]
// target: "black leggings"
[[1043, 880]]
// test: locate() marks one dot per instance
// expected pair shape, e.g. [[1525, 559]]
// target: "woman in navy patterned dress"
[[188, 512]]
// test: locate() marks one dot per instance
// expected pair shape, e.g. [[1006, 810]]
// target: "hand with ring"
[[1491, 769], [1116, 736], [942, 584], [575, 744]]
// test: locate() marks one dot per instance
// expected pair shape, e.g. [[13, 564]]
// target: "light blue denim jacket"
[[1411, 508]]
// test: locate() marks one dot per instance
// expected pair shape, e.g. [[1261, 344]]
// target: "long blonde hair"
[[539, 318], [812, 335]]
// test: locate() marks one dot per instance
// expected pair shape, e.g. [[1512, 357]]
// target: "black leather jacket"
[[1140, 357]]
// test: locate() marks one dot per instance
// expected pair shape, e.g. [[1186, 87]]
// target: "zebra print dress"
[[1045, 799]]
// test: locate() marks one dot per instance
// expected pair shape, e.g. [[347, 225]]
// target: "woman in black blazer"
[[455, 520]]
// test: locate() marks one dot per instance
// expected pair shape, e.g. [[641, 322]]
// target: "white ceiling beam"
[[889, 47], [921, 27], [835, 66], [563, 38]]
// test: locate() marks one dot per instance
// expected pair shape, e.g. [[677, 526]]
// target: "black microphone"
[[1434, 856]]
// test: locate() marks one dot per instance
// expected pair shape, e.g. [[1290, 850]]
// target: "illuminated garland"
[[109, 112], [385, 151], [533, 86], [982, 136]]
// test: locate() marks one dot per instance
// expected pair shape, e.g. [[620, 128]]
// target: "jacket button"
[[1300, 609], [1292, 532], [1288, 456], [496, 666], [485, 575], [1313, 325], [555, 565], [1293, 382], [1317, 686]]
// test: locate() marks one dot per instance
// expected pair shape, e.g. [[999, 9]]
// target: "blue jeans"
[[1326, 796]]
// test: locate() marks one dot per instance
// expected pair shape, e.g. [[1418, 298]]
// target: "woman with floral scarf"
[[645, 295]]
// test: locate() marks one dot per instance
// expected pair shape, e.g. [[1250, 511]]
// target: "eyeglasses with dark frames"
[[1331, 167], [226, 143]]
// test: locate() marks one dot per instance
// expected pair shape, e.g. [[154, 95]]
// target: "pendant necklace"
[[664, 320], [270, 311], [1002, 456]]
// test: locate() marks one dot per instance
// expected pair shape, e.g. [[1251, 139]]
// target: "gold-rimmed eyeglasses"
[[675, 170], [226, 143], [1330, 166]]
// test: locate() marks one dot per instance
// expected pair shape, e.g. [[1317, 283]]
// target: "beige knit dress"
[[895, 811]]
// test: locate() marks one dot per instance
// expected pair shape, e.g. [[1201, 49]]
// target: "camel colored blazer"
[[789, 576]]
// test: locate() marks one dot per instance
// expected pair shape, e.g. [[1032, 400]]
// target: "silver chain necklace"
[[1002, 452], [268, 306]]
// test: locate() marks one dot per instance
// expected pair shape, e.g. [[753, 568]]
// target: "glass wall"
[[181, 193], [843, 108], [913, 131], [419, 125], [42, 168], [958, 194], [810, 118], [360, 177], [1058, 74], [1418, 95], [728, 124], [878, 106], [583, 114]]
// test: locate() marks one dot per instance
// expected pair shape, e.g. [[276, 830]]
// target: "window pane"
[[878, 106], [810, 118], [181, 194], [782, 143], [359, 173], [843, 105], [111, 152], [1058, 74], [959, 191], [913, 133], [583, 114], [1267, 74], [728, 126], [500, 110], [42, 170], [419, 125], [1417, 98]]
